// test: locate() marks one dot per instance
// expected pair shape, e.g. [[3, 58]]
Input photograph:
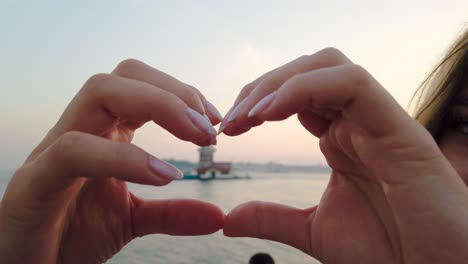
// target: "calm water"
[[300, 190]]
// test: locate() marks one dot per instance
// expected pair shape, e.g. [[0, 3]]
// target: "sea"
[[295, 189]]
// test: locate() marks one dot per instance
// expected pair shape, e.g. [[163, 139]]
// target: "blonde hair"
[[437, 92]]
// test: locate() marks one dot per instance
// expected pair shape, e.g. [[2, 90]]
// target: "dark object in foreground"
[[261, 258]]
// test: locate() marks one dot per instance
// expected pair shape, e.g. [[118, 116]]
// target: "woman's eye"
[[462, 128], [459, 122]]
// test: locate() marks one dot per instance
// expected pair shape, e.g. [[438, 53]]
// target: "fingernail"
[[165, 169], [224, 123], [213, 111], [263, 104], [237, 110], [201, 122], [213, 140]]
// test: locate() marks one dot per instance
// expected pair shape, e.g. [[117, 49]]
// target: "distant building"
[[208, 168]]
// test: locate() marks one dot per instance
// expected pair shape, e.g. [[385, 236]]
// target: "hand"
[[69, 202], [392, 196]]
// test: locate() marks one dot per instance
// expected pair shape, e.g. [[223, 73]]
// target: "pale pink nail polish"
[[262, 104], [213, 111], [164, 169], [201, 122], [239, 108], [224, 123]]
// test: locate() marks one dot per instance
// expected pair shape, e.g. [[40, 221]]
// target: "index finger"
[[237, 121], [137, 70], [347, 88], [105, 99]]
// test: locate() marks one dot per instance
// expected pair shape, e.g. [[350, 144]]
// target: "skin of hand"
[[69, 202], [392, 196]]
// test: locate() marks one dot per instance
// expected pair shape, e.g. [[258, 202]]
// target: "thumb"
[[277, 222]]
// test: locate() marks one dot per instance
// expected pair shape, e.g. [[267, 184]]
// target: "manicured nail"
[[239, 108], [164, 169], [201, 122], [213, 111], [213, 140], [263, 104], [224, 123]]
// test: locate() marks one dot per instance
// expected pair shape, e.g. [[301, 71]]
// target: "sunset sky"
[[50, 48]]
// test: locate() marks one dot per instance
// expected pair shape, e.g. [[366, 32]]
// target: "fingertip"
[[213, 113], [181, 217], [210, 219], [234, 131], [239, 221], [223, 126], [211, 140]]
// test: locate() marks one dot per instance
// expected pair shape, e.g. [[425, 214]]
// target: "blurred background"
[[48, 49]]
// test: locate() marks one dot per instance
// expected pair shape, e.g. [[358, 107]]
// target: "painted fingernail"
[[213, 140], [224, 123], [213, 111], [164, 169], [201, 122], [237, 110], [262, 104]]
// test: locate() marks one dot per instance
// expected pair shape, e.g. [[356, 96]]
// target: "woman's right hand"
[[69, 202], [392, 197]]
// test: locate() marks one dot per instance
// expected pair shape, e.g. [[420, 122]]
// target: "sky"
[[48, 49]]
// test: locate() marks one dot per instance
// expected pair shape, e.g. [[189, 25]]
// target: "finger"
[[105, 99], [239, 118], [137, 70], [314, 123], [247, 89], [78, 155], [382, 125], [176, 217], [211, 111], [271, 221], [244, 93], [347, 89]]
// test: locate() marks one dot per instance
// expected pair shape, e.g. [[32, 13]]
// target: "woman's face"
[[454, 140]]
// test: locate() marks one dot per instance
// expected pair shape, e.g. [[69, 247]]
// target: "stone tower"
[[206, 156]]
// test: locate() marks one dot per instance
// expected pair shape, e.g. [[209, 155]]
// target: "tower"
[[206, 157]]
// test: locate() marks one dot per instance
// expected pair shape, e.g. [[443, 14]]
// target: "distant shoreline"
[[269, 167]]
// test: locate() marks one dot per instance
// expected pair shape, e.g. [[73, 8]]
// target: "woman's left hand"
[[392, 196], [69, 202]]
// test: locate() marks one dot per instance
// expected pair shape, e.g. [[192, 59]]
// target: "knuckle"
[[96, 81], [200, 95], [61, 148], [191, 98], [128, 67], [303, 58], [247, 89], [332, 52], [271, 81], [358, 75], [333, 55], [294, 80]]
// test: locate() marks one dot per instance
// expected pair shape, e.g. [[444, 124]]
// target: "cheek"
[[455, 148]]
